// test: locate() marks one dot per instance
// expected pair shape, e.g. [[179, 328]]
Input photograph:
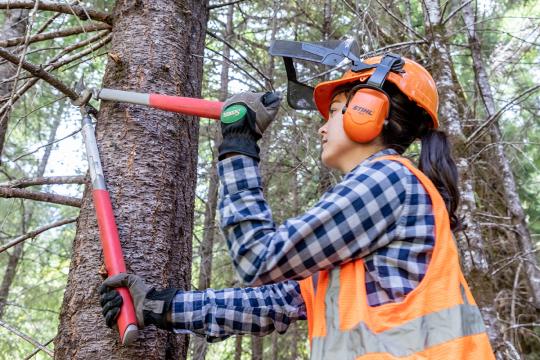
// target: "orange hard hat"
[[414, 81]]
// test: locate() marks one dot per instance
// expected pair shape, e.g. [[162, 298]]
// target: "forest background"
[[484, 56]]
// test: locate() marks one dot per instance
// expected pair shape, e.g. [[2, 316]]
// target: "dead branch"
[[35, 233], [26, 337], [77, 10], [217, 6], [90, 49], [31, 355], [490, 120], [385, 8], [56, 34], [55, 63], [45, 145], [44, 180], [215, 36], [40, 196], [453, 13], [40, 73]]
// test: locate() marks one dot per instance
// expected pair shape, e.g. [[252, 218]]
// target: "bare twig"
[[236, 65], [90, 49], [480, 130], [453, 13], [55, 63], [40, 196], [217, 6], [26, 337], [31, 355], [80, 11], [40, 73], [44, 180], [47, 23], [239, 54], [55, 34], [45, 145], [35, 233], [385, 8]]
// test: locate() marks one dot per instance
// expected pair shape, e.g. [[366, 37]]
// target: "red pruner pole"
[[185, 105], [108, 232]]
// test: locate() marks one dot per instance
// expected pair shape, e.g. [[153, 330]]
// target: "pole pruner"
[[108, 231]]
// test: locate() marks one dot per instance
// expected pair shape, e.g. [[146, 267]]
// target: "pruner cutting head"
[[335, 53], [85, 94]]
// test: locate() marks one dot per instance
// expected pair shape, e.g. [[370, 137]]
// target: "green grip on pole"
[[233, 113]]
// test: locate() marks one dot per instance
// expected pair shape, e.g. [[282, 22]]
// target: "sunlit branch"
[[55, 34], [80, 11], [40, 196], [26, 337]]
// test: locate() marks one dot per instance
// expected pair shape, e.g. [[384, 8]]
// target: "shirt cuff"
[[239, 173]]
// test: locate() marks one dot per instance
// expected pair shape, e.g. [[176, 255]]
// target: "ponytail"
[[437, 163], [408, 122]]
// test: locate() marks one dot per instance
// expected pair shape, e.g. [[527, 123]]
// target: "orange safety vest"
[[439, 319]]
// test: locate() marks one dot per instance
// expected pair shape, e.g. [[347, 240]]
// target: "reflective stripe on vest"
[[439, 319]]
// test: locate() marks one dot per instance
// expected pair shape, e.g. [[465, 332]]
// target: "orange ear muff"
[[365, 113]]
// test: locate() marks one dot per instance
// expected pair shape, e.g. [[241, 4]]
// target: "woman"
[[373, 265]]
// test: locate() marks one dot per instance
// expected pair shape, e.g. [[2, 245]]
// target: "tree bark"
[[238, 347], [257, 347], [470, 240], [149, 160]]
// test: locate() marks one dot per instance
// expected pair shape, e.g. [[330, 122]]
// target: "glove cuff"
[[156, 306], [239, 144]]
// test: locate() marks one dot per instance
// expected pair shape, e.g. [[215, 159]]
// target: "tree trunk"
[[200, 346], [470, 240], [149, 161], [511, 195], [15, 22], [238, 347], [257, 347], [474, 257]]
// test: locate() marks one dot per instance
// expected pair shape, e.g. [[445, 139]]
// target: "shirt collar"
[[384, 152]]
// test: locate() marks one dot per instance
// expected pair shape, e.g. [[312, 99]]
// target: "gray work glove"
[[151, 306], [244, 118]]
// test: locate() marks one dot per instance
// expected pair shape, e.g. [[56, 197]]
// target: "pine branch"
[[35, 233], [44, 180], [38, 71], [77, 10], [40, 196], [55, 34], [27, 338]]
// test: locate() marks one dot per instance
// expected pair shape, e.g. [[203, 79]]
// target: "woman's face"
[[337, 146]]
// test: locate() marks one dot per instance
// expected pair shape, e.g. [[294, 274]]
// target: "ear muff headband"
[[365, 112]]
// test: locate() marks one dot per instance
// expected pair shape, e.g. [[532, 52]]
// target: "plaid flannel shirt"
[[379, 212]]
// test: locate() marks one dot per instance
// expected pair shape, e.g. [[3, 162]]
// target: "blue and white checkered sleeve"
[[351, 220], [218, 314]]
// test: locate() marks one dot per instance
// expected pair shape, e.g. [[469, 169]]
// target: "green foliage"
[[292, 171]]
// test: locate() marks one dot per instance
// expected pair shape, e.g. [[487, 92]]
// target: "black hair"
[[408, 122]]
